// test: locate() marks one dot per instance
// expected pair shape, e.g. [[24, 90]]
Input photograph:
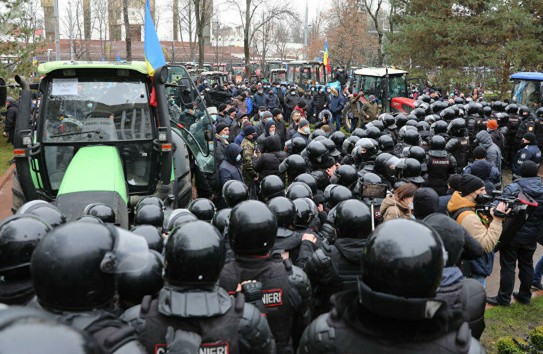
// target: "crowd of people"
[[306, 239]]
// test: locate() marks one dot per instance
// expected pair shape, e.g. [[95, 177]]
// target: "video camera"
[[518, 205]]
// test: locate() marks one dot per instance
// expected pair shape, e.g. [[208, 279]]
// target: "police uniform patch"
[[272, 297], [523, 156], [214, 348]]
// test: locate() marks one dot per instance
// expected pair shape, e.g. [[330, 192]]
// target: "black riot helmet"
[[373, 132], [498, 106], [19, 236], [203, 209], [380, 166], [419, 113], [27, 330], [339, 194], [306, 211], [370, 177], [318, 137], [417, 152], [423, 126], [176, 217], [149, 214], [511, 109], [270, 187], [430, 119], [401, 119], [317, 152], [346, 175], [45, 211], [364, 149], [298, 145], [309, 180], [389, 121], [411, 137], [409, 169], [252, 228], [151, 235], [438, 143], [194, 255], [318, 132], [360, 133], [74, 267], [331, 146], [353, 219], [299, 190], [439, 127], [102, 211], [386, 143], [349, 143], [134, 286], [234, 192], [472, 108], [447, 114], [403, 258], [284, 211], [338, 138], [459, 100], [487, 111], [221, 219], [293, 165], [152, 200], [379, 124], [90, 219], [457, 127], [524, 111], [539, 112]]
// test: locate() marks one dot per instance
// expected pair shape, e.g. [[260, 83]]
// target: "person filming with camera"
[[486, 228], [519, 239]]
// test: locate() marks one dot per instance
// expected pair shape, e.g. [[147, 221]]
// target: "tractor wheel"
[[182, 190]]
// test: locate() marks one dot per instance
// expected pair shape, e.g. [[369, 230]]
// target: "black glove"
[[252, 291]]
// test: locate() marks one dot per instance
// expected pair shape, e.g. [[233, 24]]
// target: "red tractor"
[[388, 85]]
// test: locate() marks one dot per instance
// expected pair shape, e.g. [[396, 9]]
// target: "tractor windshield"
[[528, 93], [397, 86], [93, 109]]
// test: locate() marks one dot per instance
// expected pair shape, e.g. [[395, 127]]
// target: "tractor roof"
[[535, 76], [48, 67], [379, 72], [213, 73]]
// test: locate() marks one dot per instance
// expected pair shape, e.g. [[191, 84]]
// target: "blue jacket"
[[249, 102], [259, 99], [239, 138], [528, 152], [336, 103], [531, 229], [230, 167]]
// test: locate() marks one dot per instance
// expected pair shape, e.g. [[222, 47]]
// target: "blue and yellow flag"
[[326, 60], [154, 58]]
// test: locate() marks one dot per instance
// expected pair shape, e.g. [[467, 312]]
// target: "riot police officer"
[[74, 276], [19, 235], [191, 301], [441, 165], [394, 308], [458, 145], [286, 290]]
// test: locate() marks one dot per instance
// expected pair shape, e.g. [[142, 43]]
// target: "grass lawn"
[[514, 321], [6, 153]]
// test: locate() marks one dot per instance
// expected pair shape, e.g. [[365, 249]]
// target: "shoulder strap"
[[461, 213]]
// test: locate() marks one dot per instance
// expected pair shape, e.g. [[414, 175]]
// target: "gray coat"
[[493, 153]]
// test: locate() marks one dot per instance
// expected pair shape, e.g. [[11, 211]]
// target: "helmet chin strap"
[[397, 307]]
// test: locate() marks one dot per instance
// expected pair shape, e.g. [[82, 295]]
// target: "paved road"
[[493, 282]]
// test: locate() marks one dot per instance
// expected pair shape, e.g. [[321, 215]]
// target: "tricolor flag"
[[151, 45], [325, 59]]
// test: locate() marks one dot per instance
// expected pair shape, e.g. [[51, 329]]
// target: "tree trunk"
[[380, 53], [175, 10], [128, 34], [246, 32]]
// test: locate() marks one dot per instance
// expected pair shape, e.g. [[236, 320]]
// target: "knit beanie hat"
[[469, 184], [492, 124], [479, 152], [528, 169], [530, 137], [220, 127], [248, 130], [454, 182]]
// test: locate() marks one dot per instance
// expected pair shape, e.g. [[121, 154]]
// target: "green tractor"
[[109, 133]]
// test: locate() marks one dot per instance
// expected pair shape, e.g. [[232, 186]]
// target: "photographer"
[[486, 229], [521, 241]]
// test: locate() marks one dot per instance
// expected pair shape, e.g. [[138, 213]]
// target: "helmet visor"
[[129, 253]]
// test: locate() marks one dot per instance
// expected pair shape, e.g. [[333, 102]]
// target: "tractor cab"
[[527, 89], [278, 75], [306, 73], [388, 85], [103, 134], [213, 77]]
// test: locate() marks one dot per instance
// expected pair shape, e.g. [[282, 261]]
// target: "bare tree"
[[127, 30], [186, 25], [280, 38], [374, 10], [203, 13], [100, 24], [249, 11]]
